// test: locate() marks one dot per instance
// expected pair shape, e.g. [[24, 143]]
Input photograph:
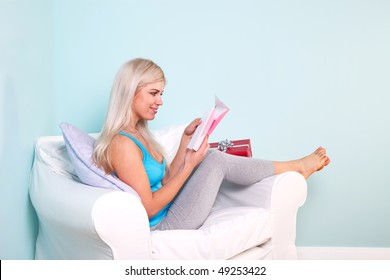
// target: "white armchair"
[[77, 221]]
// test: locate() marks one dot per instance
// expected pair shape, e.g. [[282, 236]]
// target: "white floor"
[[341, 253]]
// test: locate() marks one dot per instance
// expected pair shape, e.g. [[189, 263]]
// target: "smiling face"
[[147, 101]]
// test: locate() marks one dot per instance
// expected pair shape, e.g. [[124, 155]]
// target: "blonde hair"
[[131, 77]]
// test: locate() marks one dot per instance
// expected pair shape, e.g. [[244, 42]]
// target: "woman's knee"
[[214, 159], [214, 156]]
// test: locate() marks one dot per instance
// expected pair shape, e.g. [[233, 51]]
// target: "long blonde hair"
[[132, 76]]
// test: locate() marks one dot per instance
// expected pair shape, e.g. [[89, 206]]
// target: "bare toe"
[[314, 162], [327, 161]]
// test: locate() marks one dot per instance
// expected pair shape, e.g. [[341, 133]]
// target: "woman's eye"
[[154, 93]]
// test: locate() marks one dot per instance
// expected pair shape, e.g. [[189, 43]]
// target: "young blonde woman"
[[181, 196]]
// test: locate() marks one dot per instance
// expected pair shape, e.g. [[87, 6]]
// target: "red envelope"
[[241, 148]]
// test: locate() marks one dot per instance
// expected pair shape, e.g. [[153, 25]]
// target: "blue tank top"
[[155, 171]]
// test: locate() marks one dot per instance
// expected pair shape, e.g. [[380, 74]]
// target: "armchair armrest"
[[122, 223], [288, 195], [282, 195], [77, 221]]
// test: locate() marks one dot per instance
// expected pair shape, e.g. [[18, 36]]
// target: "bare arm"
[[127, 162], [178, 161]]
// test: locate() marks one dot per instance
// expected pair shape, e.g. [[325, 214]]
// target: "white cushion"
[[51, 151], [169, 138], [225, 233]]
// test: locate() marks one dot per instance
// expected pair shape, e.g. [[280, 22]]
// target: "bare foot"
[[314, 162]]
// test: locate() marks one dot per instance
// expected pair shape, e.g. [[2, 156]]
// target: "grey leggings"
[[193, 203]]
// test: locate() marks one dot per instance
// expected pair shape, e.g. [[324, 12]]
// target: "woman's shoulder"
[[124, 146], [127, 160]]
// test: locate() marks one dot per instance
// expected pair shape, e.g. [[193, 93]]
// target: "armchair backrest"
[[51, 150]]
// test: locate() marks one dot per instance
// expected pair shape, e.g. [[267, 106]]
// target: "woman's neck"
[[132, 128]]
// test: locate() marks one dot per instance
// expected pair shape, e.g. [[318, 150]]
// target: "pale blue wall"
[[26, 112], [296, 74]]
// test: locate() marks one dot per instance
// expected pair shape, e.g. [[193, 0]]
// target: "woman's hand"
[[193, 158], [190, 129], [187, 159]]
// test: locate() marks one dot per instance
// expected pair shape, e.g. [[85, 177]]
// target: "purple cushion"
[[80, 147]]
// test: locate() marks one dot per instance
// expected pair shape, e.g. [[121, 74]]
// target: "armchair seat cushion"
[[225, 233]]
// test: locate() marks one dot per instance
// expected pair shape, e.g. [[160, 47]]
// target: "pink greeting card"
[[209, 123]]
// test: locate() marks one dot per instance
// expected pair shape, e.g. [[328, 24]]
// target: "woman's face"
[[147, 101]]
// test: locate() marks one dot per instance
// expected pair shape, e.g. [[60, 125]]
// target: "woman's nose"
[[159, 100]]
